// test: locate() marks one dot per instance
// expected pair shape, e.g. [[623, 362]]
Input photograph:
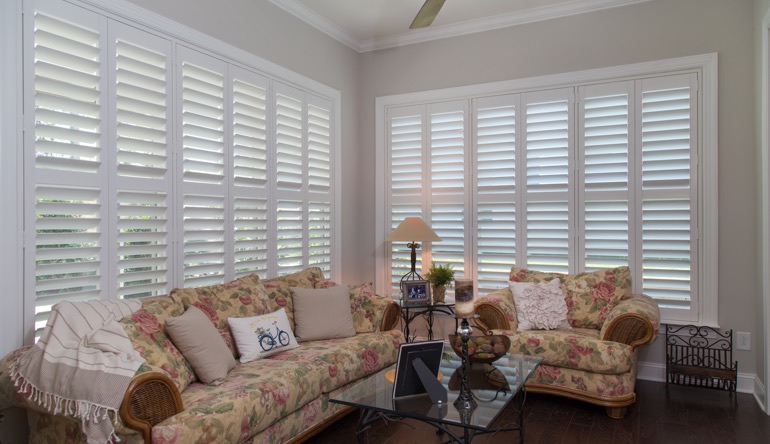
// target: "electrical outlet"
[[743, 340]]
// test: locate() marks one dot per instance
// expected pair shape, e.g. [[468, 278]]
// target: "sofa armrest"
[[634, 321], [150, 399], [391, 315], [496, 311]]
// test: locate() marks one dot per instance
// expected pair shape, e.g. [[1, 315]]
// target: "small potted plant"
[[439, 277]]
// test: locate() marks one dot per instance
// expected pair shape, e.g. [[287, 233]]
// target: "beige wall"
[[263, 29], [648, 31], [761, 10]]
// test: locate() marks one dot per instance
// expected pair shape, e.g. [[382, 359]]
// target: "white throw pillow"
[[262, 336], [540, 306], [322, 313]]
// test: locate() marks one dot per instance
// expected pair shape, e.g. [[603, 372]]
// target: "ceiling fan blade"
[[427, 13]]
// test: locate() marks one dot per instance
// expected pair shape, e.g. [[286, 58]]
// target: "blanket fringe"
[[54, 404]]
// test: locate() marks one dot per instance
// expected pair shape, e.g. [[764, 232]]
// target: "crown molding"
[[439, 32]]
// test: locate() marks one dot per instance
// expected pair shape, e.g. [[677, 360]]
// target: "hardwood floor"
[[684, 415]]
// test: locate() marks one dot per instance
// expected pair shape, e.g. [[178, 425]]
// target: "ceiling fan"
[[427, 13]]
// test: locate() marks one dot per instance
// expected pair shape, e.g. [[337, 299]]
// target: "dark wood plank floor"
[[684, 415]]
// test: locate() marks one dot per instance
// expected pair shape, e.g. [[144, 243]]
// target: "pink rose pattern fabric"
[[579, 349], [242, 297], [590, 296], [279, 294], [605, 385], [368, 309], [145, 331], [503, 298], [638, 304]]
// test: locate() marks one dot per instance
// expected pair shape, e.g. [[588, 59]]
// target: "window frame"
[[705, 307]]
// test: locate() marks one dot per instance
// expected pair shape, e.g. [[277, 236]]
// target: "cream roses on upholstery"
[[539, 306]]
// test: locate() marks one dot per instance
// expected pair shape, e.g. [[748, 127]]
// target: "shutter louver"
[[142, 244], [289, 128], [495, 190], [250, 236], [202, 124], [67, 247], [406, 156], [141, 111], [666, 139], [666, 248], [67, 96], [547, 146], [249, 134], [290, 235], [204, 240], [606, 235], [319, 149], [319, 232], [548, 236]]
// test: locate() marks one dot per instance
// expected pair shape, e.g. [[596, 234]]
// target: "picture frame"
[[415, 292]]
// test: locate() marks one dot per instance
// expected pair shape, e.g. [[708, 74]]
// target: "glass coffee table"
[[493, 386]]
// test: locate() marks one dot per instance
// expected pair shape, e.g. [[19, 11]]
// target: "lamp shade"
[[413, 229]]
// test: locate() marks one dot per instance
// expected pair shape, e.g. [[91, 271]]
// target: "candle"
[[464, 298]]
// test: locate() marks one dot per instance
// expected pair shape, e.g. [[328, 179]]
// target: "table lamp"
[[413, 230]]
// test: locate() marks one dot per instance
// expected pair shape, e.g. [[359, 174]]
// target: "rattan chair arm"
[[390, 317], [633, 322], [491, 317], [150, 399]]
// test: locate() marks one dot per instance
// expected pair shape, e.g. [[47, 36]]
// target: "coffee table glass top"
[[493, 386]]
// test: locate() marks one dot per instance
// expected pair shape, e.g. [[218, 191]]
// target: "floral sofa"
[[594, 360], [281, 398]]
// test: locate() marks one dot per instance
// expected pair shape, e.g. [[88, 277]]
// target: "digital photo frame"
[[417, 371], [415, 292]]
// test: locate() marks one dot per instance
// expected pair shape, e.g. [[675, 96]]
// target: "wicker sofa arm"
[[150, 399], [390, 316], [634, 321], [496, 311]]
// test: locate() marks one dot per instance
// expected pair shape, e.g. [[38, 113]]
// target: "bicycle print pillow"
[[262, 336]]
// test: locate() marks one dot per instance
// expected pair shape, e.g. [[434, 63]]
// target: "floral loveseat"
[[281, 398], [595, 360]]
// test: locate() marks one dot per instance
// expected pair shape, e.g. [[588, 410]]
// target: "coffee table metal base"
[[367, 417]]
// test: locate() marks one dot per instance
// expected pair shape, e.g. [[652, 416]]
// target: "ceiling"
[[368, 25]]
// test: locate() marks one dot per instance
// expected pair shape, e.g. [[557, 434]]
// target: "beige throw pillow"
[[322, 313], [200, 343]]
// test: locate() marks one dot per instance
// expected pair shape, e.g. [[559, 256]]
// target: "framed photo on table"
[[415, 292]]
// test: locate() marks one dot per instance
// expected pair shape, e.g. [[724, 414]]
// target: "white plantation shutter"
[[143, 244], [291, 236], [606, 122], [290, 139], [249, 179], [143, 177], [447, 197], [319, 233], [319, 149], [548, 138], [668, 243], [68, 247], [65, 172], [203, 169], [406, 171], [495, 189]]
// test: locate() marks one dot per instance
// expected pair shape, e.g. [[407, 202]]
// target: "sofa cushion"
[[607, 386], [242, 297], [539, 306], [145, 329], [347, 359], [201, 345], [254, 396], [279, 295], [590, 296], [262, 336], [579, 349]]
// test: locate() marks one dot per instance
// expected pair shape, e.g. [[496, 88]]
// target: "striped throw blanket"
[[82, 364]]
